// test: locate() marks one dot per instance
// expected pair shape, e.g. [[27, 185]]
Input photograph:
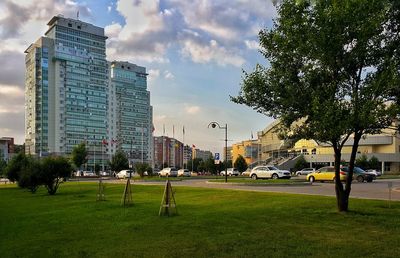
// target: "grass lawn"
[[210, 223]]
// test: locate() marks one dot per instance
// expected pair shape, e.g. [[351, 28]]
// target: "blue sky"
[[194, 52]]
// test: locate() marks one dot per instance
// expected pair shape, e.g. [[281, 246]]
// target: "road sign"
[[216, 156]]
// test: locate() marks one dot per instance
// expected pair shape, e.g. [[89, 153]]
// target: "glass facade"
[[133, 111], [74, 95]]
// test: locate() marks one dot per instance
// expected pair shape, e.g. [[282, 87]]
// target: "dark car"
[[360, 175]]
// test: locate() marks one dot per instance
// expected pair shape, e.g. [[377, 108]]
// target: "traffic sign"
[[216, 156]]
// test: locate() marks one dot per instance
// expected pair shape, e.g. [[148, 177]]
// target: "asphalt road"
[[376, 190]]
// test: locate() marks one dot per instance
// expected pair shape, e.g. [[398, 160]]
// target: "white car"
[[126, 173], [231, 172], [168, 172], [305, 171], [88, 173], [184, 172], [374, 172], [268, 172]]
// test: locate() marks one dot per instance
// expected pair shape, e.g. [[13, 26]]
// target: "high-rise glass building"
[[130, 112], [71, 95]]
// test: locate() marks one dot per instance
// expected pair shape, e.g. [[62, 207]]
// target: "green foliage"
[[210, 165], [53, 172], [194, 165], [140, 168], [30, 175], [3, 166], [15, 166], [362, 162], [333, 73], [301, 163], [374, 163], [79, 155], [240, 164], [119, 161]]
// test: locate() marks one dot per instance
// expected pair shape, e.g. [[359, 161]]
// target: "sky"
[[194, 51]]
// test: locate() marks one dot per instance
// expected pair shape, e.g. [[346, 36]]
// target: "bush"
[[140, 168], [30, 175], [54, 170], [15, 167], [301, 163]]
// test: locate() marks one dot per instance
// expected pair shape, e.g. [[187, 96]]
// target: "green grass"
[[210, 223]]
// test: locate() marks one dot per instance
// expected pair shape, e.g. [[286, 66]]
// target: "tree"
[[301, 163], [140, 168], [53, 172], [119, 161], [240, 164], [333, 74], [193, 165], [362, 162], [79, 155], [373, 163], [15, 166], [210, 165], [3, 166], [30, 177]]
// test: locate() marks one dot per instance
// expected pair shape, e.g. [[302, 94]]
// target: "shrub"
[[54, 170]]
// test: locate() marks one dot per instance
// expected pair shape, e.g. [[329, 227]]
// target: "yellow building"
[[249, 150], [384, 146]]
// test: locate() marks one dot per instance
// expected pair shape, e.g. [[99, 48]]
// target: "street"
[[379, 189]]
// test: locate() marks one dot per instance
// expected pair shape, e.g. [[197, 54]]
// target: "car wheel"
[[311, 179], [275, 176], [369, 180], [360, 179], [254, 177]]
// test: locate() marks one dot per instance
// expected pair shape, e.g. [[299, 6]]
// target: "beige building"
[[384, 146], [249, 150]]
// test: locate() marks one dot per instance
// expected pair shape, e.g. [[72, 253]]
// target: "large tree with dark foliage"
[[119, 161], [333, 73], [79, 155]]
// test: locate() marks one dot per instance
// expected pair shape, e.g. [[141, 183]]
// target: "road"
[[376, 190]]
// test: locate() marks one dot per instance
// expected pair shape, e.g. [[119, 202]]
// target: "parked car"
[[184, 172], [230, 172], [172, 172], [4, 180], [376, 172], [88, 173], [268, 172], [325, 174], [104, 173], [360, 175], [126, 173], [247, 172], [304, 171]]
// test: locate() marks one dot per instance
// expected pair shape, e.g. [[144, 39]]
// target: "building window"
[[314, 151]]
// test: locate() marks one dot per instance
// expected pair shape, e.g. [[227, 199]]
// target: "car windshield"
[[272, 168]]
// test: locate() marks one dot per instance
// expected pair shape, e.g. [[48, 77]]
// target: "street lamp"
[[214, 125]]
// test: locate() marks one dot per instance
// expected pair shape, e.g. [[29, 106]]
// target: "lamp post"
[[214, 125]]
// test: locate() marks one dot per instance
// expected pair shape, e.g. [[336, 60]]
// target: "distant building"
[[201, 154], [249, 150], [6, 148], [168, 152], [130, 113], [230, 154]]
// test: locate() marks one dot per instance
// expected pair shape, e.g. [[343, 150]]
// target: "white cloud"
[[212, 52], [109, 8], [113, 30], [192, 110], [153, 74], [251, 44], [168, 75], [160, 118]]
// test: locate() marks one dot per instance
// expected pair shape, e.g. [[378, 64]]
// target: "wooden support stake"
[[168, 203], [100, 194], [127, 197]]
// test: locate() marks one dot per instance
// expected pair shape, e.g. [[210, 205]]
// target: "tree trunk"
[[357, 137], [342, 198]]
